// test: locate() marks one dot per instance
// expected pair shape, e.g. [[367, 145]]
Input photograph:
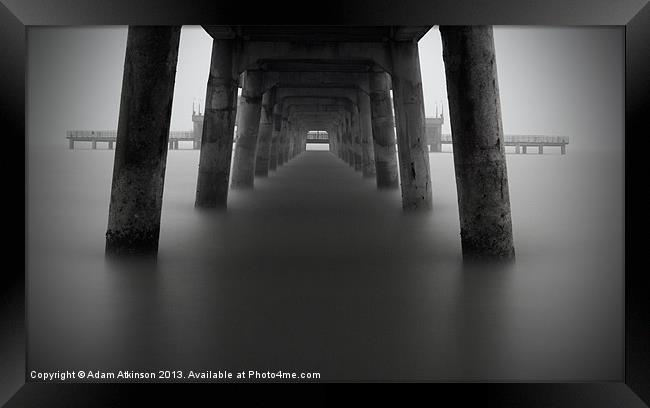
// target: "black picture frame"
[[16, 15]]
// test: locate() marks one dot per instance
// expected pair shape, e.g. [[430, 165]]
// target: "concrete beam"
[[318, 54], [142, 139]]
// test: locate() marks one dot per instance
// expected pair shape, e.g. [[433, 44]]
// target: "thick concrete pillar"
[[541, 149], [71, 144], [110, 145], [247, 131], [303, 141], [218, 127], [477, 135], [517, 148], [289, 142], [283, 147], [356, 140], [338, 144], [349, 138], [264, 136], [142, 137], [523, 149], [345, 149], [383, 132], [563, 149], [334, 147], [365, 127], [275, 138], [415, 174], [94, 143]]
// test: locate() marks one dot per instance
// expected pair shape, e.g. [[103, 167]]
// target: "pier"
[[357, 87], [520, 143]]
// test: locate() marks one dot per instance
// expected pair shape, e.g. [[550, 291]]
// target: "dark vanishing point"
[[296, 80]]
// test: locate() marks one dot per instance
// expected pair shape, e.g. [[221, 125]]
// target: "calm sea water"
[[318, 271]]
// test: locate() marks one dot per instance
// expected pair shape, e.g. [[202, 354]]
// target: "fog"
[[559, 81], [316, 270]]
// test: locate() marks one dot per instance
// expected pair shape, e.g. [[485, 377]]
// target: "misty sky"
[[553, 80]]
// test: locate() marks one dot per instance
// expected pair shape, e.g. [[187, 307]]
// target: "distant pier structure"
[[108, 137], [435, 138], [433, 132]]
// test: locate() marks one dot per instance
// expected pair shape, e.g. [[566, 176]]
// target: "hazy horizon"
[[558, 81]]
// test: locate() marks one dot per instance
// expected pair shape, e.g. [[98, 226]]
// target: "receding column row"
[[273, 123]]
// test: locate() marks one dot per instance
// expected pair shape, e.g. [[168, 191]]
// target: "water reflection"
[[315, 270]]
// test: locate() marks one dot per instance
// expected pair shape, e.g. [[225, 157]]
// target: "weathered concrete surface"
[[283, 147], [479, 151], [243, 176], [356, 139], [142, 140], [275, 137], [265, 135], [383, 133], [218, 128], [365, 127], [413, 151], [347, 139]]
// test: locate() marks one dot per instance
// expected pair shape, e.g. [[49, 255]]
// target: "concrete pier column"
[[349, 139], [339, 142], [563, 149], [294, 143], [288, 142], [297, 136], [303, 141], [284, 141], [295, 150], [334, 144], [94, 142], [218, 127], [275, 137], [517, 148], [356, 140], [344, 141], [523, 149], [71, 144], [110, 145], [300, 137], [479, 149], [365, 127], [142, 138], [264, 136], [383, 132], [247, 131], [541, 149], [415, 175]]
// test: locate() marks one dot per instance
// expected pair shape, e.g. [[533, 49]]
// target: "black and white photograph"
[[272, 203]]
